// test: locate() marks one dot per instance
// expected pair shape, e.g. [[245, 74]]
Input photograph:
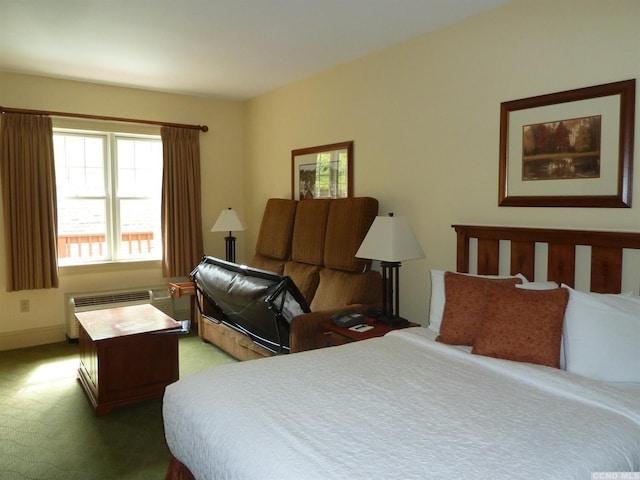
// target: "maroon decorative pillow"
[[523, 325], [465, 306]]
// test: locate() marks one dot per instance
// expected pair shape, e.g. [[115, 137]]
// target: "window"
[[109, 196]]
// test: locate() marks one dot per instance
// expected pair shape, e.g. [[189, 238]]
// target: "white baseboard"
[[32, 337]]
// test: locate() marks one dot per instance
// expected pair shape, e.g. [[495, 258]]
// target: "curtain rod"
[[203, 128]]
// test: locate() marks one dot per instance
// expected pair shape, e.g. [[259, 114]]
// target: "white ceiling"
[[228, 48]]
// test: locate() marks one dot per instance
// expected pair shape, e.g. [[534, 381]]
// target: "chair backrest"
[[346, 280], [273, 247], [348, 223], [324, 234], [309, 231]]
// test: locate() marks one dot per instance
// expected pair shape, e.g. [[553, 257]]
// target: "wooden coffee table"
[[126, 355]]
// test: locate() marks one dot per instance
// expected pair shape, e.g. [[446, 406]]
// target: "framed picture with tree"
[[568, 149]]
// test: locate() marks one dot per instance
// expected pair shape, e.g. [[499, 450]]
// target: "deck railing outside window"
[[89, 245]]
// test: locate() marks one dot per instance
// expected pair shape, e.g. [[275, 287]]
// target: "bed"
[[561, 400]]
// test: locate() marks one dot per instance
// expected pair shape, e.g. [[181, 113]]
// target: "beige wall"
[[425, 120], [222, 172]]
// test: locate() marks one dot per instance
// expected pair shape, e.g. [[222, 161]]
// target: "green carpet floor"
[[48, 430]]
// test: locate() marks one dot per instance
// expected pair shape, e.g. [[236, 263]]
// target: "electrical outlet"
[[24, 306]]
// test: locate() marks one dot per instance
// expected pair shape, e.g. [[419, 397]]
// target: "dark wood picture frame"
[[308, 156], [580, 100]]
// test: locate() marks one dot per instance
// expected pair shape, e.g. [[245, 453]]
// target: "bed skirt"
[[177, 471]]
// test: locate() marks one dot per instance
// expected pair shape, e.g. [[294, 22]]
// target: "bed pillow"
[[465, 306], [436, 305], [539, 285], [602, 336], [523, 325], [548, 285]]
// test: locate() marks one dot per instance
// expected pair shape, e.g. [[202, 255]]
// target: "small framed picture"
[[325, 171]]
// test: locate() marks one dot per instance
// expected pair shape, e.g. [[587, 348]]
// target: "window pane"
[[139, 167], [140, 228], [79, 165], [82, 230]]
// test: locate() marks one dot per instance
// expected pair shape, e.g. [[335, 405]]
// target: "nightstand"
[[333, 335]]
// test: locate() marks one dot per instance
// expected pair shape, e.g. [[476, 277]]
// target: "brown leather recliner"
[[314, 242]]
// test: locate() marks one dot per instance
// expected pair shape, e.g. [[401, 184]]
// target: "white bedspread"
[[402, 406]]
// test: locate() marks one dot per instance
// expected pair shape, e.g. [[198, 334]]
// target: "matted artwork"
[[571, 149]]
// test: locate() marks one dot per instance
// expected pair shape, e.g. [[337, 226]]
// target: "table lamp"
[[228, 221], [391, 240]]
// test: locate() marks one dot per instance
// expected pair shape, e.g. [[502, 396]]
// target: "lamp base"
[[391, 321], [230, 244]]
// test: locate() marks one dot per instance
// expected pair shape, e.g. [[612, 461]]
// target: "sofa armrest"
[[305, 328]]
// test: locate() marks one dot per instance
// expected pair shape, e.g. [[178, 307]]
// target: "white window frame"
[[111, 199]]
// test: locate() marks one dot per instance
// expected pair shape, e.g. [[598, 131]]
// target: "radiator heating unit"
[[159, 297]]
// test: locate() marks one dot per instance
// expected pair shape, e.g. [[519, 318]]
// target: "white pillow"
[[537, 285], [436, 306], [602, 336]]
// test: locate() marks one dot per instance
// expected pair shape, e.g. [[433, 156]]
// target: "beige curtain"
[[29, 201], [181, 210]]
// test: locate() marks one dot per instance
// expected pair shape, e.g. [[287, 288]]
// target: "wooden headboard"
[[606, 252]]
